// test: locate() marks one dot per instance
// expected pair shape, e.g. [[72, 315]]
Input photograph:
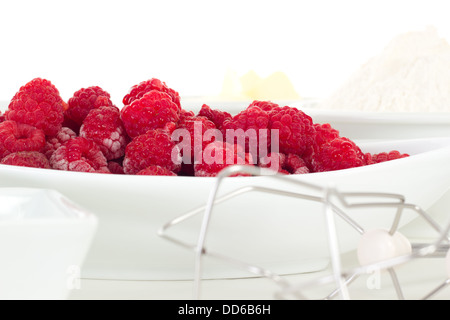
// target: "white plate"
[[364, 125], [282, 234], [44, 239], [358, 125]]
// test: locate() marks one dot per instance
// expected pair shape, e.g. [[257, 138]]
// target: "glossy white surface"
[[417, 279], [44, 239]]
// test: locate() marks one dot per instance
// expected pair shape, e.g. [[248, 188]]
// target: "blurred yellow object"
[[251, 86], [231, 87]]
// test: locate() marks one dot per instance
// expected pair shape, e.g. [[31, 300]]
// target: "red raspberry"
[[170, 127], [156, 171], [296, 130], [386, 156], [79, 154], [302, 170], [219, 155], [15, 137], [2, 117], [155, 147], [275, 161], [196, 127], [368, 158], [83, 101], [286, 164], [153, 110], [184, 115], [324, 133], [295, 165], [254, 123], [104, 126], [264, 105], [340, 153], [216, 116], [63, 135], [139, 90], [115, 167], [38, 104], [32, 159]]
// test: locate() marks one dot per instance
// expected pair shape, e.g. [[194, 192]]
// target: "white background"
[[191, 44]]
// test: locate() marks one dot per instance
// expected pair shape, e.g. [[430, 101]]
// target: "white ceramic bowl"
[[44, 238], [365, 125], [357, 125], [283, 234]]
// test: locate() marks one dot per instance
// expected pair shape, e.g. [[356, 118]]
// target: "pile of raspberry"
[[89, 133]]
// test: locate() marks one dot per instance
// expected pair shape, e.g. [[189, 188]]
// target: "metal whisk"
[[334, 205]]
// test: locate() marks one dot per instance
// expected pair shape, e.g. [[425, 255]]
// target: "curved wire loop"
[[342, 278]]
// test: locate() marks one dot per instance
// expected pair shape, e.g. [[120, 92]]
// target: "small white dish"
[[354, 124], [366, 125], [44, 239]]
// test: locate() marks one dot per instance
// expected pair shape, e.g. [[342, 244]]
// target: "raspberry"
[[15, 137], [219, 155], [295, 165], [63, 135], [155, 171], [275, 161], [386, 156], [368, 158], [255, 134], [264, 105], [83, 101], [38, 104], [302, 170], [2, 117], [340, 153], [323, 133], [184, 115], [155, 147], [170, 127], [32, 159], [115, 167], [139, 90], [286, 164], [104, 126], [216, 116], [296, 130], [196, 127], [153, 110], [79, 154]]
